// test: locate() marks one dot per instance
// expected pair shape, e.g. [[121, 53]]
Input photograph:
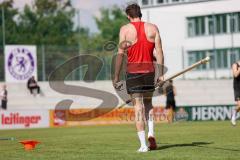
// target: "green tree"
[[109, 24], [47, 22]]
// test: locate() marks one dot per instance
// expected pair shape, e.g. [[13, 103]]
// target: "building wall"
[[172, 23]]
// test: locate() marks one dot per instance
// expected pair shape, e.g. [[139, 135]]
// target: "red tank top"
[[140, 54]]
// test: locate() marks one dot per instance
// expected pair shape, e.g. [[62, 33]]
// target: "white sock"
[[150, 128], [141, 136], [234, 114]]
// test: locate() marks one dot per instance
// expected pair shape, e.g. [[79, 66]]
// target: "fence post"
[[43, 63]]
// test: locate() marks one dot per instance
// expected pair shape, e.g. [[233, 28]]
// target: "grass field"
[[179, 141]]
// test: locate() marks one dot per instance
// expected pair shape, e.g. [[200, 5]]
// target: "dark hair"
[[134, 11]]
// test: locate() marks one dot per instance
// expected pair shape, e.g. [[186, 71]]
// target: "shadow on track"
[[195, 144]]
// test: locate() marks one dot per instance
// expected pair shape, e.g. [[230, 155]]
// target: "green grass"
[[179, 141]]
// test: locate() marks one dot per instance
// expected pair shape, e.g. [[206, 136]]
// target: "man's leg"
[[140, 120], [31, 90], [235, 111], [147, 100], [38, 89]]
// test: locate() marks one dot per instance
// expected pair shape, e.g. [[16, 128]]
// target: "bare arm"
[[119, 58], [159, 52], [236, 70]]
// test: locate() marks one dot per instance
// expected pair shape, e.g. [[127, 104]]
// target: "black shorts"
[[237, 93], [4, 105], [140, 82], [171, 104]]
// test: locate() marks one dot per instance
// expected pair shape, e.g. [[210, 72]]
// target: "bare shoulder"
[[125, 27], [151, 26], [234, 65]]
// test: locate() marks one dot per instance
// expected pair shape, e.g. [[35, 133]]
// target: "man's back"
[[130, 32]]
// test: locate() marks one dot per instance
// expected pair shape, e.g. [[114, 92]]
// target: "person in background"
[[170, 93], [3, 97], [32, 85], [236, 87]]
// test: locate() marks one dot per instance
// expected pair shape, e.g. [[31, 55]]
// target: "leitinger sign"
[[24, 119]]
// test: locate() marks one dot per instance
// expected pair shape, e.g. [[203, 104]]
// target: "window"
[[196, 26], [214, 24], [233, 23], [159, 1], [145, 2], [191, 27], [222, 59], [210, 25], [197, 56], [220, 56], [239, 22]]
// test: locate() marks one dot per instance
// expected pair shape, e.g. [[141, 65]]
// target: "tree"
[[47, 22], [109, 24]]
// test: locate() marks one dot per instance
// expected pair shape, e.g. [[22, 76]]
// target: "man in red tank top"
[[143, 38]]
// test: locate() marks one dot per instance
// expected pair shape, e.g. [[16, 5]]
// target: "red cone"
[[29, 144]]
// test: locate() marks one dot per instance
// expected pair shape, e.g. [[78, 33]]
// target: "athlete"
[[236, 87], [170, 93], [141, 39]]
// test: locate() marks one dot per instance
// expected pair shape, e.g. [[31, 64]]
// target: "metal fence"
[[50, 57]]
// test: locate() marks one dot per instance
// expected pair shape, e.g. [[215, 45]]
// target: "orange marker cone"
[[29, 144]]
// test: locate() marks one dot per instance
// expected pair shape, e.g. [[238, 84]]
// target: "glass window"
[[145, 2], [159, 1], [232, 23], [196, 29], [221, 23], [195, 56], [224, 23], [211, 54], [218, 24], [202, 25], [222, 59], [190, 28], [191, 58], [238, 21], [210, 25], [233, 56]]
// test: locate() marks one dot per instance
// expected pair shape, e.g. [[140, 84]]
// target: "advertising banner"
[[20, 119], [205, 113], [94, 117], [20, 63]]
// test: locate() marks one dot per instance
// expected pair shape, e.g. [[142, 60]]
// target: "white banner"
[[20, 119], [20, 63]]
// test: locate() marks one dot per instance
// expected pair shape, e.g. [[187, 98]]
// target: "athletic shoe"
[[152, 143], [143, 149], [233, 120]]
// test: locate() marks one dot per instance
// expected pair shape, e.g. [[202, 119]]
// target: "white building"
[[193, 29]]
